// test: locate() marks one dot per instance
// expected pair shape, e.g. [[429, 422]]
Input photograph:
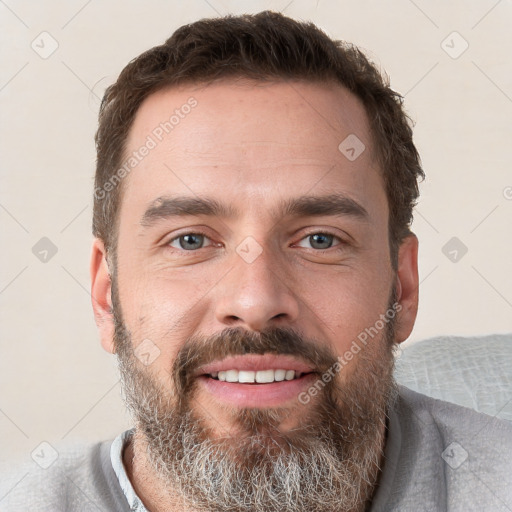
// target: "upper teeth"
[[261, 376]]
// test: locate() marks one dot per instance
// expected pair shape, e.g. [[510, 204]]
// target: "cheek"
[[347, 304], [162, 308]]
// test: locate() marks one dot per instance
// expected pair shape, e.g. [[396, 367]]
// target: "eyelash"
[[202, 233]]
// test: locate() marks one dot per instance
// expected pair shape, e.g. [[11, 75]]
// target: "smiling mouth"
[[256, 380], [256, 377]]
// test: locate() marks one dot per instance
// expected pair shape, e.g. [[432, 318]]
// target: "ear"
[[101, 295], [407, 287]]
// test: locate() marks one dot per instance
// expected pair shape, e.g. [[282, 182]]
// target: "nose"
[[256, 295]]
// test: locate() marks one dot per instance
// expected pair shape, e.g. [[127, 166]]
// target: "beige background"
[[56, 382]]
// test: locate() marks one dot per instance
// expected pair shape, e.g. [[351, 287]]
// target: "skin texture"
[[251, 146]]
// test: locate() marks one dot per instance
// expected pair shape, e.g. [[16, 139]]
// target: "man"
[[253, 269]]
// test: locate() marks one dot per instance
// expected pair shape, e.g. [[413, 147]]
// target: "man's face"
[[245, 219]]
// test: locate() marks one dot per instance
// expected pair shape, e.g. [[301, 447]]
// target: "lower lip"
[[274, 394]]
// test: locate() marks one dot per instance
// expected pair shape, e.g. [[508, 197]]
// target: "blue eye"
[[318, 241], [190, 241]]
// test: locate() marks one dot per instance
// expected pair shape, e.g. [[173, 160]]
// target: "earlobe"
[[407, 287], [101, 295]]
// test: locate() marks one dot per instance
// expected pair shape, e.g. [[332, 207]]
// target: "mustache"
[[200, 350]]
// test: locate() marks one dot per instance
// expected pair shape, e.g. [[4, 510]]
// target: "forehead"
[[249, 142]]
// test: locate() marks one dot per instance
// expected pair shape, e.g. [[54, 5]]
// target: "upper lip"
[[255, 362]]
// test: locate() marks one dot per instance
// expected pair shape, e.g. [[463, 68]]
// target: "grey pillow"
[[474, 372]]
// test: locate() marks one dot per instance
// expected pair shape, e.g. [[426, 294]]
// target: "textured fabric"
[[444, 457], [116, 457], [473, 372], [438, 457], [80, 480]]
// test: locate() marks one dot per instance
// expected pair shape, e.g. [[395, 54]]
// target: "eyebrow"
[[308, 206], [165, 207], [333, 204]]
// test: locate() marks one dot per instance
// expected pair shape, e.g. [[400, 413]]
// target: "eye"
[[190, 241], [319, 241]]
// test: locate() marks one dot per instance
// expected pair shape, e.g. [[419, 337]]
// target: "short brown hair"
[[264, 46]]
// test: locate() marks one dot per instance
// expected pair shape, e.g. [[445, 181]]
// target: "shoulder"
[[470, 450], [66, 478], [449, 417]]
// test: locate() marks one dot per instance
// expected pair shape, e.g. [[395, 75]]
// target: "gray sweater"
[[438, 457]]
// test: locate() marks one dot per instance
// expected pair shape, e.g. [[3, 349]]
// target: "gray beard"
[[330, 461]]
